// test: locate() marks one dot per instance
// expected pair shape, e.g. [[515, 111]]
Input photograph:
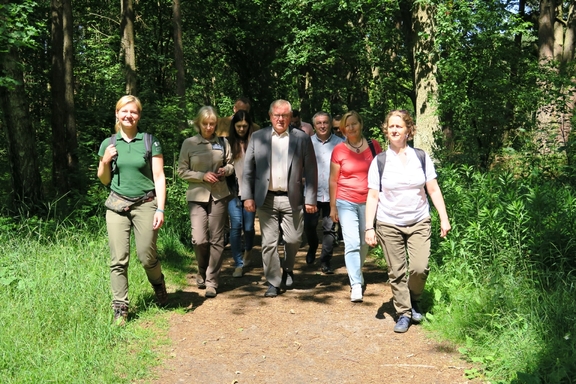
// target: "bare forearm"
[[104, 173]]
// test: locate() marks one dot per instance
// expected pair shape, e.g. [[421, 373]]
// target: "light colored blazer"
[[301, 168], [198, 157]]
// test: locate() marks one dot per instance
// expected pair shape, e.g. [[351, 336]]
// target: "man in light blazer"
[[278, 163]]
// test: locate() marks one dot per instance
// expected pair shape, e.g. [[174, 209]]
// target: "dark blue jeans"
[[328, 230], [240, 221]]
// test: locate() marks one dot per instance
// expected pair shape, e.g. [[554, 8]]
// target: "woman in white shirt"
[[397, 200]]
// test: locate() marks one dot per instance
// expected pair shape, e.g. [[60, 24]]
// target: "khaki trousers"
[[275, 211], [140, 217], [207, 221], [407, 250]]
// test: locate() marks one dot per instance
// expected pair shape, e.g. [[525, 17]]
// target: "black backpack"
[[148, 138], [381, 159]]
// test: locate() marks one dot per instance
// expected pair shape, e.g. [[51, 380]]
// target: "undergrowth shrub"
[[503, 281], [54, 278]]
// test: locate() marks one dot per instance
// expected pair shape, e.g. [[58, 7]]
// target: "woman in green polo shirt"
[[136, 202]]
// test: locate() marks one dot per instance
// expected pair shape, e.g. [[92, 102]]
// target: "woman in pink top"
[[348, 191]]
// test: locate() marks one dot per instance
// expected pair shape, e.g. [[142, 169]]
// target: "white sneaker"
[[237, 272], [356, 293]]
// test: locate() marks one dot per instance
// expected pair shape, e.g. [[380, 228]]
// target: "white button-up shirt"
[[279, 162], [323, 150]]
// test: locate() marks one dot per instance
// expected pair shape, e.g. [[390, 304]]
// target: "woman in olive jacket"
[[205, 161]]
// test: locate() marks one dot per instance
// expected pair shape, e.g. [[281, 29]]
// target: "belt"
[[278, 193]]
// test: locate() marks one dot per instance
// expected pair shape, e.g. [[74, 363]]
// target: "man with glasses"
[[324, 142], [278, 161]]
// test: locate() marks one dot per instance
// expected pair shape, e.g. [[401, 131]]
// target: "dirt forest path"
[[310, 334]]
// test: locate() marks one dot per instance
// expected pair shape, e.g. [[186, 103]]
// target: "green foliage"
[[54, 277], [503, 283], [16, 31], [488, 82]]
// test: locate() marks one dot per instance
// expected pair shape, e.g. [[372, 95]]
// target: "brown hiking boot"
[[120, 314], [160, 292]]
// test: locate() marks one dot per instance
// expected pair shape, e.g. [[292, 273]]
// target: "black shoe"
[[272, 291], [310, 258], [326, 269], [416, 313], [287, 279]]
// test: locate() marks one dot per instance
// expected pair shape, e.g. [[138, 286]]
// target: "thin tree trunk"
[[22, 157], [71, 134], [179, 64], [59, 131], [128, 46]]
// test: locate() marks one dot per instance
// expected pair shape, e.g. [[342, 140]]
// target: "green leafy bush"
[[503, 281]]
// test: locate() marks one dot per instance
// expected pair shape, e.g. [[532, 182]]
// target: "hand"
[[158, 220], [445, 227], [370, 238], [310, 208], [109, 154], [334, 215], [211, 177], [250, 205]]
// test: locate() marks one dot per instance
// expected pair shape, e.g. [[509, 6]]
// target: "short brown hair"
[[404, 115]]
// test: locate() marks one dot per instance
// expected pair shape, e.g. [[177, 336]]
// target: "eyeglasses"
[[280, 116]]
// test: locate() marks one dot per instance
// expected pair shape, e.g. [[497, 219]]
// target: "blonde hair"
[[348, 115], [404, 115], [204, 113], [122, 102]]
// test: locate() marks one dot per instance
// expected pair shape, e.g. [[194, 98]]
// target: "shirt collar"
[[285, 133], [139, 136], [204, 140], [326, 141]]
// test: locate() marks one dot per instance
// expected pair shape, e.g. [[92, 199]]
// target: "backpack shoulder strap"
[[372, 149], [222, 142], [422, 157], [381, 161], [113, 162], [148, 139]]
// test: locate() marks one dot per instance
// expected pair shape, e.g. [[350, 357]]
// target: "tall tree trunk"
[[419, 33], [546, 30], [128, 46], [179, 64], [59, 146], [558, 33], [569, 36], [25, 176], [71, 134]]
